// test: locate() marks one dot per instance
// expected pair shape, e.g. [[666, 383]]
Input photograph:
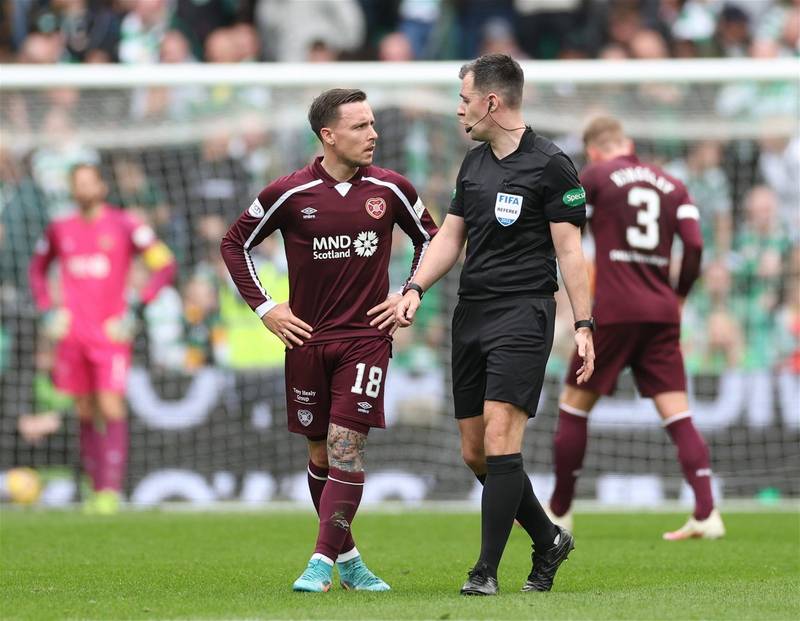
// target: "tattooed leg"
[[346, 448], [342, 493]]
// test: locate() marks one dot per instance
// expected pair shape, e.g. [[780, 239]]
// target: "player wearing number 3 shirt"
[[336, 217], [636, 211]]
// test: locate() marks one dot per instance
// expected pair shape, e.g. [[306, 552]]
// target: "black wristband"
[[585, 323], [412, 286]]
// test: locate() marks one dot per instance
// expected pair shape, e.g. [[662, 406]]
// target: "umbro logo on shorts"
[[305, 417], [364, 407]]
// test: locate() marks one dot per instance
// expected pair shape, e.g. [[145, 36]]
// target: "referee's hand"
[[408, 305], [583, 339], [287, 326]]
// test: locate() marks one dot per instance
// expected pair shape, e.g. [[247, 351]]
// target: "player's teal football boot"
[[316, 578], [356, 576]]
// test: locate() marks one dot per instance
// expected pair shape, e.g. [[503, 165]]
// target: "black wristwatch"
[[585, 323], [412, 286]]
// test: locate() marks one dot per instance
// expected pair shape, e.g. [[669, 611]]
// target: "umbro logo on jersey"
[[309, 213], [507, 208], [305, 417], [376, 207]]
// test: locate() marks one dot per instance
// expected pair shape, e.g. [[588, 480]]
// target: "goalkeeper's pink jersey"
[[94, 259]]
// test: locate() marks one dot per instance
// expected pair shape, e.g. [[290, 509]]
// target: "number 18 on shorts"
[[340, 382]]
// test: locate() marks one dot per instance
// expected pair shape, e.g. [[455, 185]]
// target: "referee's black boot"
[[545, 564], [480, 581]]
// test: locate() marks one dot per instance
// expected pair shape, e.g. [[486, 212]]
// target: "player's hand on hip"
[[406, 308], [583, 339], [284, 324], [56, 323], [385, 313]]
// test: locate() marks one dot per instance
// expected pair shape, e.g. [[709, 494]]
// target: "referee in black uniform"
[[518, 204]]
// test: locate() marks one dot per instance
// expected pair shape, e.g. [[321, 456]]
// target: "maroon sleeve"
[[37, 270], [413, 217], [689, 231], [262, 218]]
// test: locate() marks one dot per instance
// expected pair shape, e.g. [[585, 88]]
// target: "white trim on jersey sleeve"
[[688, 211], [265, 307]]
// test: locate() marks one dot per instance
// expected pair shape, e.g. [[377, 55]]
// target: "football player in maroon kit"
[[636, 210], [336, 217]]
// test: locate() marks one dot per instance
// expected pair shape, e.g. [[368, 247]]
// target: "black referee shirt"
[[507, 206]]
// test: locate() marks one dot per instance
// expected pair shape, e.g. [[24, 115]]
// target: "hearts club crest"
[[376, 207]]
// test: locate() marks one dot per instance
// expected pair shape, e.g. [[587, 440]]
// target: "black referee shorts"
[[500, 350]]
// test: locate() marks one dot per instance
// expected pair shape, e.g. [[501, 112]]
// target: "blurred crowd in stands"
[[151, 31], [744, 314]]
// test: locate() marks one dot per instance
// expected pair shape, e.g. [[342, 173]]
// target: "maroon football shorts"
[[651, 350], [340, 382]]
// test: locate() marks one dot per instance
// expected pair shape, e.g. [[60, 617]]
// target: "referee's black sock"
[[502, 492], [534, 520], [531, 516]]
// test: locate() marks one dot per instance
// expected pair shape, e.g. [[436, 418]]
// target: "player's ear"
[[327, 136]]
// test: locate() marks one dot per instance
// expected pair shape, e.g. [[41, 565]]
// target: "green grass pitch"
[[166, 565]]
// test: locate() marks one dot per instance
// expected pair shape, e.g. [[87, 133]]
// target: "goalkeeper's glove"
[[121, 328], [55, 323]]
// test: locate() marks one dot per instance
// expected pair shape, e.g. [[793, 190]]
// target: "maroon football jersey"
[[636, 209], [338, 239]]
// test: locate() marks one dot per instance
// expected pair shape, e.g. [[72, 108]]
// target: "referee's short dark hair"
[[325, 108], [499, 73]]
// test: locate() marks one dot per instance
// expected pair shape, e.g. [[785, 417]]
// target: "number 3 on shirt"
[[647, 217], [373, 386]]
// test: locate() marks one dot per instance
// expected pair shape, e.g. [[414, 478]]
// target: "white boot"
[[710, 528]]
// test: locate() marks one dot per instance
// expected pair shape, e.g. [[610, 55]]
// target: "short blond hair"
[[603, 131]]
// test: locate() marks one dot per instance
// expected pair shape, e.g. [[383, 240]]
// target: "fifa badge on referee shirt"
[[507, 208]]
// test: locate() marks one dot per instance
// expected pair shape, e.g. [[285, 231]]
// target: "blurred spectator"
[[287, 32], [91, 31], [760, 249], [321, 52], [712, 338], [471, 16], [547, 30], [789, 318], [142, 31], [247, 41], [418, 21], [23, 216], [733, 32], [708, 186], [39, 48], [693, 26], [395, 47], [648, 45], [779, 164], [498, 38], [60, 150], [197, 19], [134, 191]]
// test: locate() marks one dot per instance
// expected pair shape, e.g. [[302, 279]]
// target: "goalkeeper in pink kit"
[[95, 247]]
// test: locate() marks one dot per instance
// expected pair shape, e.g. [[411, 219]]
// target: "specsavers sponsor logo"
[[341, 246], [574, 197]]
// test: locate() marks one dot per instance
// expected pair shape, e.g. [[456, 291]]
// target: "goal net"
[[187, 148]]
